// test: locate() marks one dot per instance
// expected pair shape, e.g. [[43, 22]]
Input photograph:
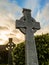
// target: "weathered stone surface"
[[10, 47], [29, 25]]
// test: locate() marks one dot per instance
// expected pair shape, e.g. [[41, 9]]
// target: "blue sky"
[[21, 3], [40, 9], [10, 10], [35, 5], [29, 4]]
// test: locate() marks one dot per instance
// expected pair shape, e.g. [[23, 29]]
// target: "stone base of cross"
[[28, 25]]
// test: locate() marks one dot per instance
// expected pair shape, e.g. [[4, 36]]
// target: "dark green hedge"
[[42, 44]]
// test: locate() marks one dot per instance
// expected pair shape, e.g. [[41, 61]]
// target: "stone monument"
[[10, 45], [28, 26]]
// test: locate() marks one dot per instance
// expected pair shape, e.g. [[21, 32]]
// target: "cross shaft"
[[30, 48]]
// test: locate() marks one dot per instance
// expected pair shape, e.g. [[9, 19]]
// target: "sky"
[[10, 10]]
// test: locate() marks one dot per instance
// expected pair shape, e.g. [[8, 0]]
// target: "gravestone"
[[10, 45], [28, 26]]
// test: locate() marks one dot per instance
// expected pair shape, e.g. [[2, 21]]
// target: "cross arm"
[[36, 25], [20, 24]]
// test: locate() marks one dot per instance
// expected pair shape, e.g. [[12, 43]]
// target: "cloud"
[[17, 36], [3, 28], [44, 30], [43, 18], [33, 5], [7, 21], [7, 30], [9, 12], [12, 8]]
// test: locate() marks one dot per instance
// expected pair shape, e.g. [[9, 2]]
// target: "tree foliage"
[[19, 54], [42, 45], [3, 57]]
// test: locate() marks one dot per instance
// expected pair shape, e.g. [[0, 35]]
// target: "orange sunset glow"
[[10, 11], [8, 30]]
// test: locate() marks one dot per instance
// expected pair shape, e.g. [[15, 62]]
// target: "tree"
[[42, 45], [19, 54], [3, 57]]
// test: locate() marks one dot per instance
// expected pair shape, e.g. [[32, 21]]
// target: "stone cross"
[[10, 47], [28, 25]]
